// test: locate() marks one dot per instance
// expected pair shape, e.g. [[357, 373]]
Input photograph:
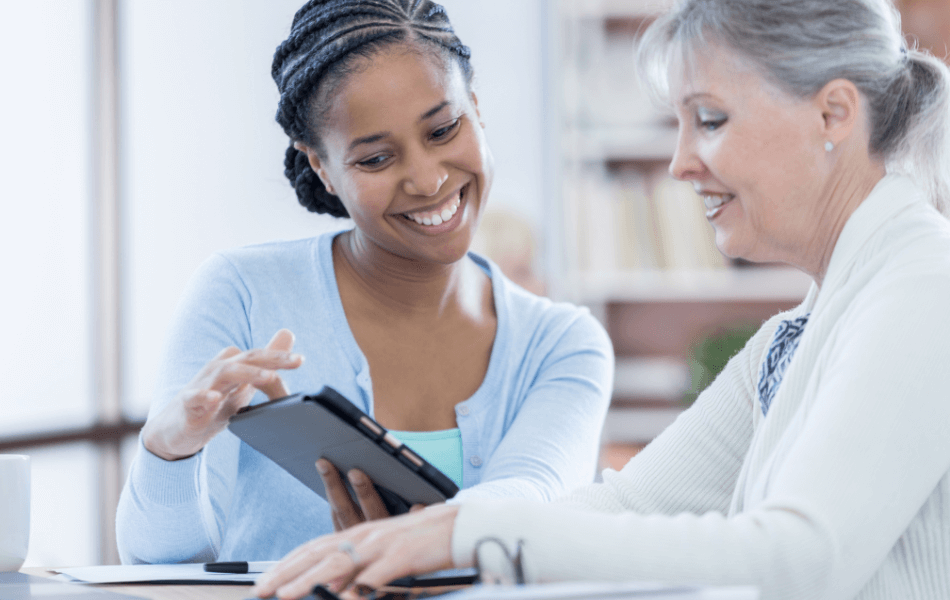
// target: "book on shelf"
[[687, 239], [623, 225]]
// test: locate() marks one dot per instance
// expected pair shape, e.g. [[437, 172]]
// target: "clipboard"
[[296, 430]]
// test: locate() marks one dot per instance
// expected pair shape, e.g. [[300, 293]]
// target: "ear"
[[315, 164], [840, 104]]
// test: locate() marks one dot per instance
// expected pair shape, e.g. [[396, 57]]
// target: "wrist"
[[155, 443]]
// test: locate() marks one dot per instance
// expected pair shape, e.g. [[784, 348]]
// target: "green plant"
[[709, 355]]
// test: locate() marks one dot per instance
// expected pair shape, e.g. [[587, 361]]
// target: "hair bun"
[[311, 193]]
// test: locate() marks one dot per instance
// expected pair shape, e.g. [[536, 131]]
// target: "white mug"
[[14, 510]]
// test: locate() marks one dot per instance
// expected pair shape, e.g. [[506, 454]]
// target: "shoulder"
[[908, 260], [269, 256], [532, 320]]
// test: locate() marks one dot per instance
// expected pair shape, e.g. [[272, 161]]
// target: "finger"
[[380, 572], [228, 376], [336, 571], [239, 397], [268, 358], [282, 340], [347, 513], [300, 560], [274, 389], [227, 353], [406, 553], [371, 504]]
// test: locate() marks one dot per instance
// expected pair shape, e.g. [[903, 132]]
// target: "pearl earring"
[[829, 146]]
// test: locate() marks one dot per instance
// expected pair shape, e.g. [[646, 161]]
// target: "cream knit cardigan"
[[841, 492]]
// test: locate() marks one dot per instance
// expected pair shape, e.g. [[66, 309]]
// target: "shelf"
[[657, 378], [653, 142], [637, 425], [617, 9], [732, 284]]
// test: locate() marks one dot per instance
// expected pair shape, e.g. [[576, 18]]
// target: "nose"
[[425, 174], [686, 165]]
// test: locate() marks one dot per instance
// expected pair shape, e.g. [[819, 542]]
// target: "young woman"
[[504, 391], [817, 465]]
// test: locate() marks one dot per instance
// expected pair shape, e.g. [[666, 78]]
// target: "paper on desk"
[[594, 590], [184, 573]]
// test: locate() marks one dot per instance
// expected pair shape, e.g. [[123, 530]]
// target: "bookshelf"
[[627, 240]]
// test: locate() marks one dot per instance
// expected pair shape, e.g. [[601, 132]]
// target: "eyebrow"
[[687, 99], [369, 139]]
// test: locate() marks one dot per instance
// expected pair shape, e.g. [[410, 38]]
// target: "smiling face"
[[754, 154], [405, 153]]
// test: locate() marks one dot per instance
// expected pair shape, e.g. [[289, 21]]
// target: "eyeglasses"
[[515, 574]]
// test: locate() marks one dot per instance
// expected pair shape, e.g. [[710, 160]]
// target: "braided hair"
[[326, 39]]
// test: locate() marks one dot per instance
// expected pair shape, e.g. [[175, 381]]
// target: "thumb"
[[282, 340]]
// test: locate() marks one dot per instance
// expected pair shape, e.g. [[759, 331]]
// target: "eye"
[[443, 132], [711, 124], [374, 161], [709, 120]]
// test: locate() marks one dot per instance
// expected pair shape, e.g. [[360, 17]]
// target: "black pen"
[[239, 567]]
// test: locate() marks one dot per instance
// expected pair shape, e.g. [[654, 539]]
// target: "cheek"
[[470, 153], [366, 195]]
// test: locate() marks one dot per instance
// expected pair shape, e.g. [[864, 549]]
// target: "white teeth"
[[440, 217], [715, 201]]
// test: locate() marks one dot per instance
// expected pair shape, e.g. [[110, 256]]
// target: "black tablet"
[[297, 430]]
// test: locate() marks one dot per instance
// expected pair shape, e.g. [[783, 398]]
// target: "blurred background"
[[138, 138]]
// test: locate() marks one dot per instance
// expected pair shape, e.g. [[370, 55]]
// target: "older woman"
[[816, 465]]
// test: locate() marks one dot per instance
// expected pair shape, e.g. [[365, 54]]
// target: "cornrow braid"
[[326, 38]]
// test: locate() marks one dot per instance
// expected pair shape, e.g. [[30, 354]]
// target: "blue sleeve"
[[553, 443], [176, 511]]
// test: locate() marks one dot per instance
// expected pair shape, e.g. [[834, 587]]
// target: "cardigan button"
[[463, 410], [476, 461]]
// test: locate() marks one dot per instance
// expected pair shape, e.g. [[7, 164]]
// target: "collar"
[[892, 194]]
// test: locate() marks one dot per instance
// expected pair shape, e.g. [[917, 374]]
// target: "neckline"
[[892, 194], [347, 341], [415, 436]]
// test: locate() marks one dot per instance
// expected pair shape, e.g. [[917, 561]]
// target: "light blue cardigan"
[[530, 431]]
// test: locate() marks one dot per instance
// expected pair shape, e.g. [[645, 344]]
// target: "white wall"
[[203, 154], [506, 39], [44, 187]]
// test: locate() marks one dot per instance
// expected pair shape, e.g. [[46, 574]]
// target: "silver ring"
[[350, 550]]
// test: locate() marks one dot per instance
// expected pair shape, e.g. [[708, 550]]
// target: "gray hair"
[[801, 45]]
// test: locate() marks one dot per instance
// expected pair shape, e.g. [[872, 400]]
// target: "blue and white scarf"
[[777, 359]]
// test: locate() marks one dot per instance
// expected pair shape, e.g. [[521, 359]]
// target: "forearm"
[[162, 515], [553, 443], [786, 555], [693, 465]]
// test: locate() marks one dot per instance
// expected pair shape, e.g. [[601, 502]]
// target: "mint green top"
[[442, 449]]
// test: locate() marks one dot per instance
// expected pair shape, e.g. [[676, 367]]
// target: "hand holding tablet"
[[297, 430]]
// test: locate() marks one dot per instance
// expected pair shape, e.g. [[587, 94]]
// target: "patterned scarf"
[[778, 358]]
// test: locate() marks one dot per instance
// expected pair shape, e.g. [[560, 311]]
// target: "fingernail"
[[356, 478], [322, 467], [295, 357]]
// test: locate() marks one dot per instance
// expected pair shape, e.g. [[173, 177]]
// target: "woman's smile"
[[440, 217], [715, 203]]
